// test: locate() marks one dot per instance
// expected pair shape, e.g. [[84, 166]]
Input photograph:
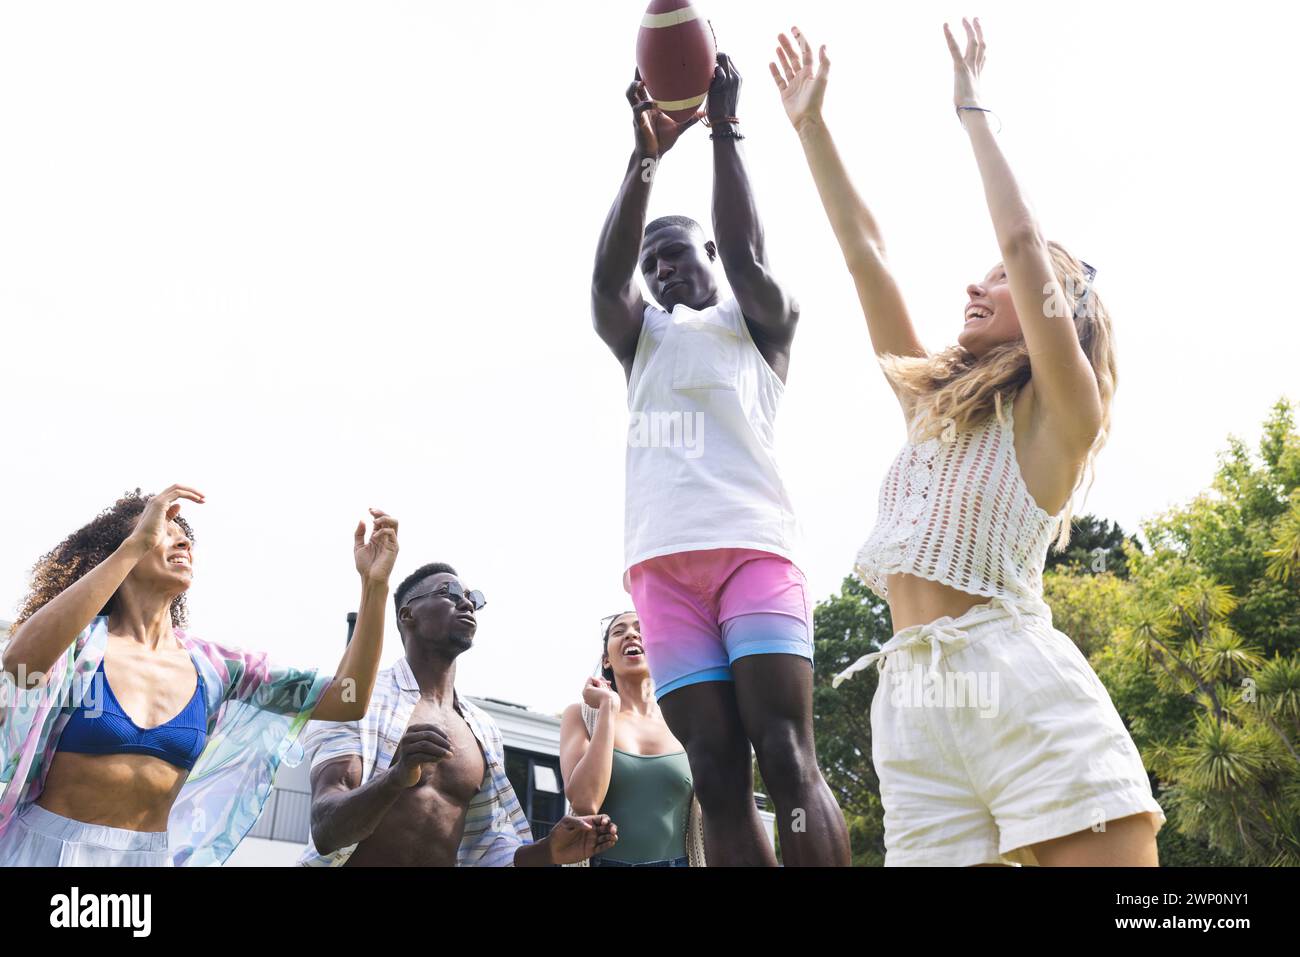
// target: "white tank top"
[[957, 512], [701, 468]]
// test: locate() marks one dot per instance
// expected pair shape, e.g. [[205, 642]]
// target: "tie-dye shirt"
[[255, 713]]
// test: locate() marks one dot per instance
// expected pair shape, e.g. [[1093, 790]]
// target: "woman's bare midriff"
[[130, 791], [919, 601]]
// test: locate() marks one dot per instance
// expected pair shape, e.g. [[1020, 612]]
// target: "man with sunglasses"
[[421, 779]]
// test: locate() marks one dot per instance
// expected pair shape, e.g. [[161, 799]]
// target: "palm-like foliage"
[[1232, 789], [1278, 686], [1284, 556], [1215, 622], [1223, 656]]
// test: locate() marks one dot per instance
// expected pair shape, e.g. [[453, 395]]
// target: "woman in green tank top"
[[619, 758]]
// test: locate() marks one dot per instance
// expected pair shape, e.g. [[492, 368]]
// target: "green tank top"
[[649, 800]]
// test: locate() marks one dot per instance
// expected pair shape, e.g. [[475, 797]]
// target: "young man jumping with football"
[[710, 533]]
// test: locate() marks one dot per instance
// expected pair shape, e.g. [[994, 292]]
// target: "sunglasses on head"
[[1089, 273], [607, 623], [454, 591]]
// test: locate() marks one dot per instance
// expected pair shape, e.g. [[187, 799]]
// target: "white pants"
[[991, 732], [39, 838]]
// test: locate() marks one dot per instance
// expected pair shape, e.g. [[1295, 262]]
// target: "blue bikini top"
[[108, 730]]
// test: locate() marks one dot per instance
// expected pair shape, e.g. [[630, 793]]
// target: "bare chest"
[[455, 779], [152, 687]]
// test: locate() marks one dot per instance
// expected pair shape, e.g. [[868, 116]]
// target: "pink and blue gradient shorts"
[[701, 610]]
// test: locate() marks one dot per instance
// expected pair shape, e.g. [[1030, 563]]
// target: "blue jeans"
[[606, 862]]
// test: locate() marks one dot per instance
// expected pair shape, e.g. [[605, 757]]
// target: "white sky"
[[316, 256]]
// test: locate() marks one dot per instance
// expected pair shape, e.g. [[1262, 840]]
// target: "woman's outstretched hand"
[[802, 89], [966, 66]]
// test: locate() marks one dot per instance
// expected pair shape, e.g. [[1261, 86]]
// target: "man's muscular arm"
[[736, 223], [617, 306], [345, 812]]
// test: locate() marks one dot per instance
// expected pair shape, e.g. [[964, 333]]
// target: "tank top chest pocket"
[[706, 355]]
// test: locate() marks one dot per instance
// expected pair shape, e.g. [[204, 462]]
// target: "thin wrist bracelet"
[[731, 134], [981, 109]]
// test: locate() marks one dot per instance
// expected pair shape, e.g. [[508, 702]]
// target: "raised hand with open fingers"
[[375, 558], [803, 88], [966, 66], [656, 131]]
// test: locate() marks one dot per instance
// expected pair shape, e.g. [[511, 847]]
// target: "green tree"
[[1205, 662], [1096, 545], [846, 626], [1243, 533], [1089, 607], [1093, 609]]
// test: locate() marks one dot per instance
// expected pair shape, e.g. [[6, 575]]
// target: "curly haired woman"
[[1038, 768], [126, 741]]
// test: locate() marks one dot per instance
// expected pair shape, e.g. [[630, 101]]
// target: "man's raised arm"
[[617, 306], [735, 219]]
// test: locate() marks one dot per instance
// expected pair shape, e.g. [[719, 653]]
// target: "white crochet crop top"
[[958, 512]]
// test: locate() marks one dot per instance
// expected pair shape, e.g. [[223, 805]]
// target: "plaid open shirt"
[[495, 824]]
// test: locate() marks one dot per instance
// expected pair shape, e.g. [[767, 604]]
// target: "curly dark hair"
[[85, 548]]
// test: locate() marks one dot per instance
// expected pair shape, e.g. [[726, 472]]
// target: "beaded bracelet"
[[731, 134]]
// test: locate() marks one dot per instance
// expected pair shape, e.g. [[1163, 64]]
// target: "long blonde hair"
[[954, 389]]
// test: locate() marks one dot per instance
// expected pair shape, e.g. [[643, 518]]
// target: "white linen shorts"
[[991, 732], [40, 838]]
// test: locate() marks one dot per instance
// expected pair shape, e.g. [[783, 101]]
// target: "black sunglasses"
[[452, 590]]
